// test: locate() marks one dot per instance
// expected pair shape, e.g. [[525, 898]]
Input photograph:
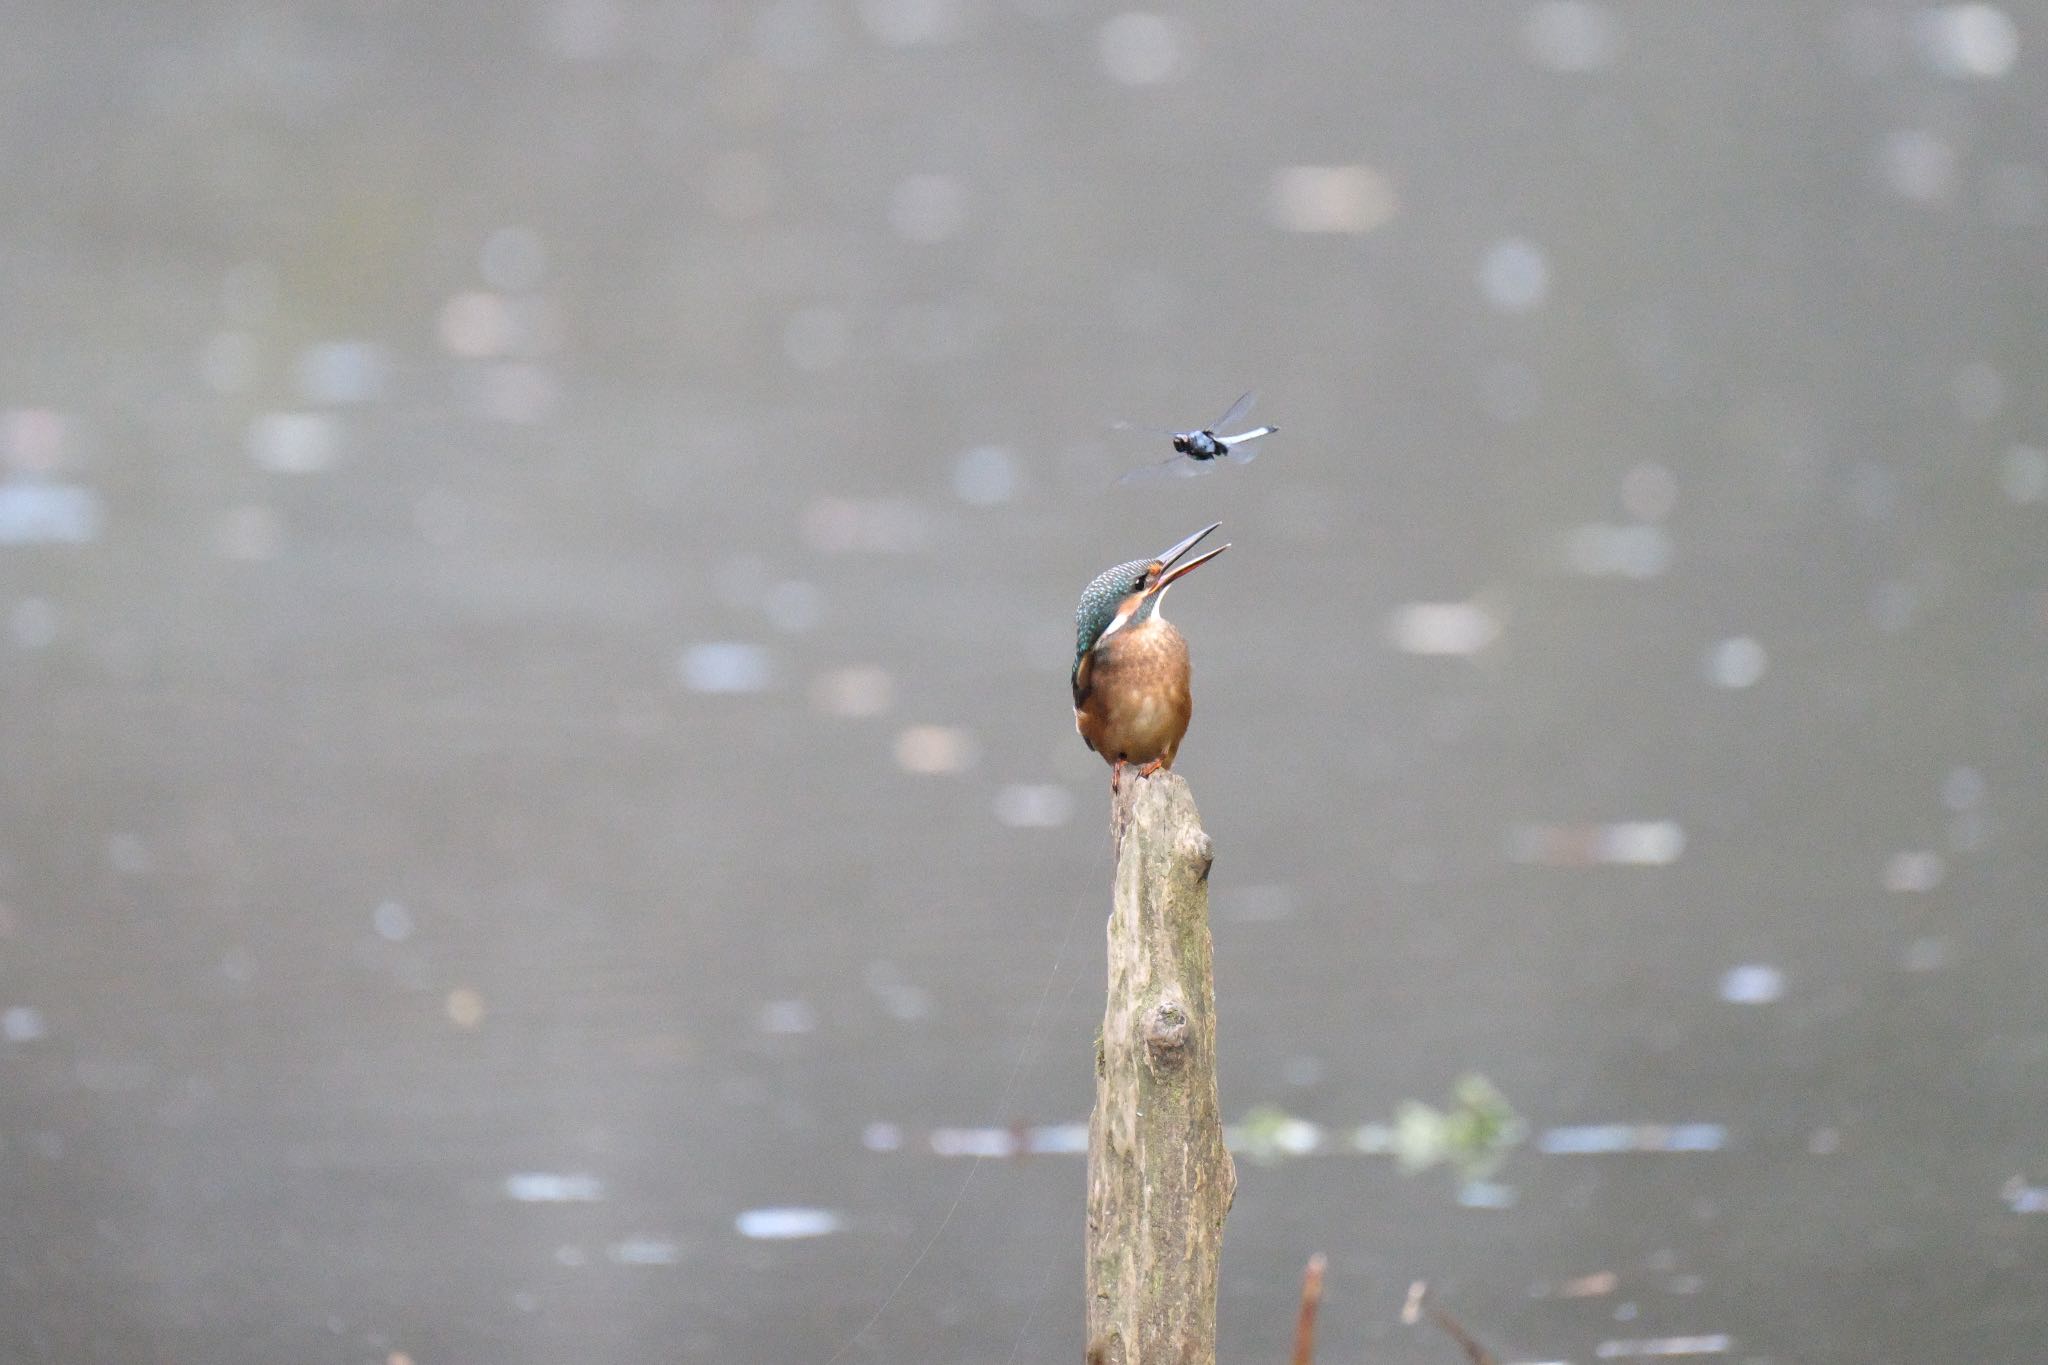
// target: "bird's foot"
[[1116, 777], [1150, 768]]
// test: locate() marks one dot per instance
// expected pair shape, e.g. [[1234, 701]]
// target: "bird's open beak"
[[1168, 559]]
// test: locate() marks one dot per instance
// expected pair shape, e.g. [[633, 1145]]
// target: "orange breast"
[[1136, 703]]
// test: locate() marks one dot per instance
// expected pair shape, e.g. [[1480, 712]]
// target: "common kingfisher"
[[1131, 699]]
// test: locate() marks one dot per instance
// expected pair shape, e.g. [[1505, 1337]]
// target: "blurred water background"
[[541, 819]]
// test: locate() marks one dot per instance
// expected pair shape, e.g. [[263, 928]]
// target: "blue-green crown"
[[1099, 603]]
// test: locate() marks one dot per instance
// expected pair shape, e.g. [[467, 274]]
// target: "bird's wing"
[[1083, 679]]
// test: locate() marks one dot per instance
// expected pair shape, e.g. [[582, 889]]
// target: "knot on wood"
[[1166, 1033]]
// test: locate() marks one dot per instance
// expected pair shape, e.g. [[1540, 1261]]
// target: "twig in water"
[[1417, 1305], [1311, 1298]]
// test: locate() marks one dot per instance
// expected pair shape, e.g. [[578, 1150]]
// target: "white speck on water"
[[787, 1017], [725, 667], [1057, 1139], [37, 512], [1034, 805], [392, 921], [478, 326], [1605, 1138], [985, 476], [787, 1224], [1439, 628], [550, 1187], [1330, 199], [928, 208], [643, 1251], [1572, 35], [294, 442], [1753, 984], [1138, 48], [1918, 165], [1487, 1194], [882, 1137], [1718, 1343], [856, 692], [1643, 843], [1736, 662], [1926, 955], [22, 1024], [1514, 275], [1914, 872], [2023, 474], [1604, 550], [1967, 42], [934, 750], [339, 372], [973, 1142], [2021, 1197]]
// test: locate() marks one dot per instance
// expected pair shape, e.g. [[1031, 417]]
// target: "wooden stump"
[[1159, 1178]]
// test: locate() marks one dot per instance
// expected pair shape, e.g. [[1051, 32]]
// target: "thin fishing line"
[[1002, 1104]]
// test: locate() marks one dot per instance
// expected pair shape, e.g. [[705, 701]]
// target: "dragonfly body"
[[1197, 451]]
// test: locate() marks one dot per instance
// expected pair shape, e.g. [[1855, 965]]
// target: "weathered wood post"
[[1159, 1178]]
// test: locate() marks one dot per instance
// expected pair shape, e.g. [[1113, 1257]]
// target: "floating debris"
[[549, 1187], [787, 1224], [1603, 1138], [1473, 1136]]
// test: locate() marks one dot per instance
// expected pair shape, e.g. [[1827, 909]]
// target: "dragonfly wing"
[[1237, 413], [1140, 426], [1152, 473]]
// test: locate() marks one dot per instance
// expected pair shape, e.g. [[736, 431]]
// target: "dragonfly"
[[1196, 452]]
